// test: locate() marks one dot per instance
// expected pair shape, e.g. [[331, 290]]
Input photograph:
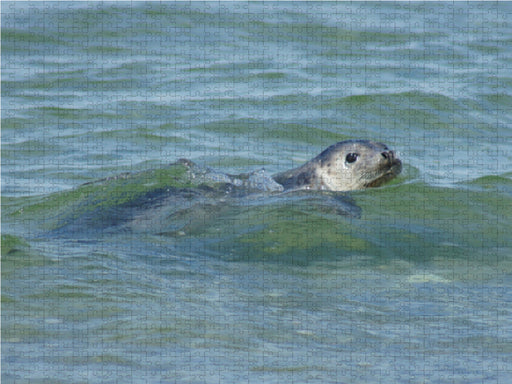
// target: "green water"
[[116, 267]]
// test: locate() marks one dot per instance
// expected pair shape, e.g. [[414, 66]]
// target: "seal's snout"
[[388, 155], [392, 161]]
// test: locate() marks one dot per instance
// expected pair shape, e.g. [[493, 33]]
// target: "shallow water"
[[407, 283]]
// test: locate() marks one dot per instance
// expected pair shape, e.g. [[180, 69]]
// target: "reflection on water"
[[145, 276]]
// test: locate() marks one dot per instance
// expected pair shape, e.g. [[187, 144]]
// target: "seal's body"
[[344, 166]]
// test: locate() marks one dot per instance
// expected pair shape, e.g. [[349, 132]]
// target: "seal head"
[[344, 166]]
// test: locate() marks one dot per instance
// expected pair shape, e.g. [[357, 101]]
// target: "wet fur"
[[329, 170]]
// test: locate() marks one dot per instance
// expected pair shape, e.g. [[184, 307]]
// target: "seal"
[[345, 166], [183, 194]]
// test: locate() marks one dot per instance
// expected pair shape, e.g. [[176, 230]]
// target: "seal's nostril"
[[389, 155]]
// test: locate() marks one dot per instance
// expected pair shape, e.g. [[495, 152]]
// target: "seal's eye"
[[351, 157]]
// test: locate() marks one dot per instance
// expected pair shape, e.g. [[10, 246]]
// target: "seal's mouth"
[[393, 171]]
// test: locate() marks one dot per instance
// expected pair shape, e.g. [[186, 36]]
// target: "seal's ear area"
[[301, 177], [304, 178], [290, 179]]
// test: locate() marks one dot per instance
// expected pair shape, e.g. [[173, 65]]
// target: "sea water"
[[414, 288]]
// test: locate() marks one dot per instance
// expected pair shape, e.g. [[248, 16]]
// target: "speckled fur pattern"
[[344, 166]]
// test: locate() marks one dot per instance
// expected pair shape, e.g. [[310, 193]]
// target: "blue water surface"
[[104, 285]]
